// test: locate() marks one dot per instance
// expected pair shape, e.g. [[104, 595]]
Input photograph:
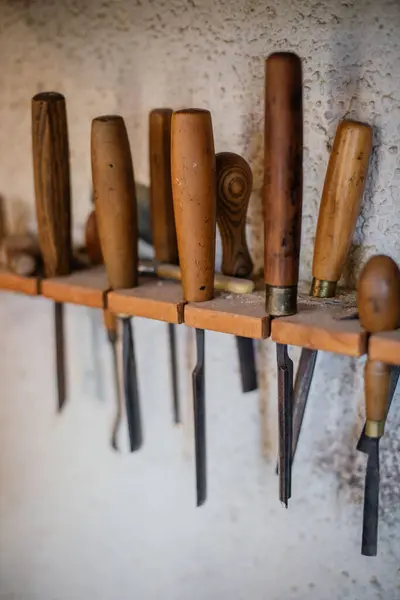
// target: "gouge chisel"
[[234, 186], [338, 213], [162, 216], [116, 216], [194, 196], [283, 183], [53, 203], [378, 302]]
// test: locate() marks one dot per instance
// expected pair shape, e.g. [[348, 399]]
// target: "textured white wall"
[[78, 521]]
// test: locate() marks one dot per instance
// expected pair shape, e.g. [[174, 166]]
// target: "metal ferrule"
[[281, 301], [323, 289], [374, 429]]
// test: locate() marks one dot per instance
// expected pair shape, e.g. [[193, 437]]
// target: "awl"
[[53, 203], [194, 196], [116, 216], [378, 302], [234, 186]]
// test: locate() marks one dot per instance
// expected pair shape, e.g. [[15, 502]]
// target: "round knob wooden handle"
[[52, 181], [92, 240], [378, 302], [115, 200], [340, 204], [234, 186], [194, 195], [283, 181], [161, 204]]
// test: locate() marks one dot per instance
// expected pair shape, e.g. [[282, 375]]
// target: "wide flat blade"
[[131, 387], [302, 385], [198, 379], [369, 546], [60, 354], [174, 373], [247, 362], [285, 412]]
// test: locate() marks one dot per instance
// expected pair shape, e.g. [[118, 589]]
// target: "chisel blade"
[[247, 362], [198, 380], [131, 386], [285, 409], [112, 338], [174, 373], [302, 385], [60, 354], [369, 545]]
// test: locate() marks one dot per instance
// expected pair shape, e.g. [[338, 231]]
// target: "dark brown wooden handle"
[[340, 204], [194, 194], [378, 302], [52, 182], [92, 240], [283, 181], [161, 204], [115, 200], [234, 186]]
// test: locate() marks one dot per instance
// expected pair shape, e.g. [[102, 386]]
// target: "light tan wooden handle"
[[92, 240], [340, 204], [234, 185], [52, 182], [283, 169], [194, 195], [161, 204], [377, 386], [115, 200]]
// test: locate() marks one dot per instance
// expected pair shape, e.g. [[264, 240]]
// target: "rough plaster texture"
[[78, 521]]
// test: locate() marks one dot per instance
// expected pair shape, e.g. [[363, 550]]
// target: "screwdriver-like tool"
[[116, 216], [338, 213], [194, 196], [53, 204], [378, 302], [162, 216], [283, 183], [234, 186]]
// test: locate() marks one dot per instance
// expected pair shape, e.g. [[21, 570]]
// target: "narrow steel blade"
[[60, 354], [247, 362], [285, 411], [131, 386], [198, 380], [369, 545], [302, 386], [174, 373], [112, 338]]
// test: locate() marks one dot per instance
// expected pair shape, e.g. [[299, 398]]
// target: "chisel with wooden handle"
[[283, 183], [116, 216], [162, 216], [339, 209], [378, 302], [234, 185], [53, 203], [194, 197]]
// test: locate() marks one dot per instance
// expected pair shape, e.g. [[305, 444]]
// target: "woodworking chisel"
[[162, 216], [234, 186], [53, 203], [378, 302], [116, 216], [338, 213], [283, 189], [194, 197]]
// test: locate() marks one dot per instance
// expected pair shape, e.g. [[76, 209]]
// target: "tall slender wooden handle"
[[115, 200], [340, 204], [194, 195], [234, 185], [52, 183], [283, 181], [161, 204], [378, 302]]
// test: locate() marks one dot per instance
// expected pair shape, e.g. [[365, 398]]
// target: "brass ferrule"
[[280, 301], [323, 289], [374, 429]]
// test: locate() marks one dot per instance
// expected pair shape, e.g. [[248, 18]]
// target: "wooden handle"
[[283, 181], [110, 323], [161, 203], [234, 186], [92, 240], [52, 184], [194, 195], [378, 302], [340, 204], [115, 200]]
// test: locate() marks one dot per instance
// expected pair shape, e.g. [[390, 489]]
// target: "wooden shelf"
[[87, 287], [17, 283], [385, 347], [152, 299]]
